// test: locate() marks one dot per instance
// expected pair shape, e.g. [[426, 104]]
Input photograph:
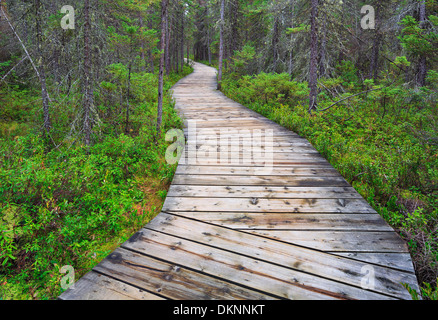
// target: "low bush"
[[73, 205]]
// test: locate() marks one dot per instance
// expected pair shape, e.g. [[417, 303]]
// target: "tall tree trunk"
[[167, 42], [176, 43], [131, 45], [422, 66], [275, 40], [374, 65], [323, 51], [182, 37], [208, 34], [142, 54], [188, 51], [291, 53], [40, 66], [88, 89], [164, 4], [313, 75], [221, 45], [127, 99], [151, 57]]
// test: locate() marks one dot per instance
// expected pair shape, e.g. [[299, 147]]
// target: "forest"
[[85, 104]]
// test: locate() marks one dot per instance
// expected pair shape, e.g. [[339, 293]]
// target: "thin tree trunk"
[[164, 4], [142, 55], [182, 38], [129, 85], [313, 76], [375, 57], [422, 66], [127, 99], [176, 46], [88, 90], [221, 45], [167, 43], [208, 34], [40, 66], [275, 40], [374, 65], [151, 57], [188, 51], [323, 51], [291, 53]]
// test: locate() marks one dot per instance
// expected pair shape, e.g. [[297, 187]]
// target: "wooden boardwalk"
[[275, 222]]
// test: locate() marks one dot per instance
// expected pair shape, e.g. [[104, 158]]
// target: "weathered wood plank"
[[267, 205], [258, 192], [318, 263], [257, 274], [227, 147], [276, 171], [210, 153], [336, 241], [291, 221], [171, 280], [237, 180], [95, 286], [400, 261]]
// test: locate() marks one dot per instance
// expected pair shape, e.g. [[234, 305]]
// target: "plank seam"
[[199, 271], [130, 284], [276, 264]]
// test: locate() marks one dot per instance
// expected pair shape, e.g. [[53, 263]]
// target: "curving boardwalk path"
[[254, 212]]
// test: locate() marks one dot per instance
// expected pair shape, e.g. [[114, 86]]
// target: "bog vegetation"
[[84, 110], [68, 196]]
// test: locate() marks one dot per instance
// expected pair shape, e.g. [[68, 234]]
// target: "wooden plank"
[[259, 275], [208, 153], [220, 114], [237, 180], [291, 221], [228, 132], [260, 192], [95, 286], [171, 280], [267, 205], [249, 140], [340, 269], [227, 147], [277, 171], [226, 119], [399, 261], [339, 241]]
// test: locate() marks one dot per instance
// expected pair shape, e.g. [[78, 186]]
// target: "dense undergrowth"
[[384, 142], [66, 204]]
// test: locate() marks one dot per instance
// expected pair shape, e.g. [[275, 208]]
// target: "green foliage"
[[301, 28], [418, 40], [348, 73], [267, 87], [73, 205], [242, 58], [402, 61], [428, 291]]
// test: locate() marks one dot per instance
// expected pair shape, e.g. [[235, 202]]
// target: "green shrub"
[[72, 205]]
